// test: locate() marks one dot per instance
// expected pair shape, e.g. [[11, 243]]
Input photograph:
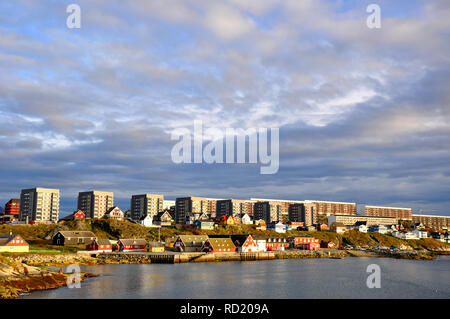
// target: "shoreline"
[[27, 273]]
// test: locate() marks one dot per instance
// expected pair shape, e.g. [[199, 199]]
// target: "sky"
[[363, 114]]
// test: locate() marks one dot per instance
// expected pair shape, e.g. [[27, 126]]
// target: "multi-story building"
[[39, 204], [234, 207], [184, 205], [397, 212], [95, 204], [146, 205], [12, 207], [279, 210], [325, 208], [434, 222], [348, 220], [299, 212]]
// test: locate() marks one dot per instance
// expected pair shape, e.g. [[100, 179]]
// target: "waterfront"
[[291, 278]]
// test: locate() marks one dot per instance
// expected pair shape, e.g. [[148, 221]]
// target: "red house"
[[219, 245], [13, 243], [132, 245], [307, 243], [79, 214], [243, 243], [100, 245], [276, 244], [236, 220]]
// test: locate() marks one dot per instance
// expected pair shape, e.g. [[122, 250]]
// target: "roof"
[[155, 244], [144, 217], [240, 239], [193, 240], [130, 242], [103, 241], [221, 243], [67, 233], [5, 239]]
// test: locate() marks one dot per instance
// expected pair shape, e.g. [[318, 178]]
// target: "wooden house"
[[163, 218], [100, 244], [155, 247], [64, 238], [132, 245], [190, 243], [115, 213], [218, 245], [13, 244]]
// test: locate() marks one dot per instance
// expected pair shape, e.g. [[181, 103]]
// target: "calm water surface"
[[294, 278]]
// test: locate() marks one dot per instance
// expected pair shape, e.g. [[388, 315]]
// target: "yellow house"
[[155, 247], [13, 243]]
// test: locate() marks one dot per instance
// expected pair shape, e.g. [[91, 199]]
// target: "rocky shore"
[[17, 278]]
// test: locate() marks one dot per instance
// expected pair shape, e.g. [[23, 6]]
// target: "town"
[[39, 206]]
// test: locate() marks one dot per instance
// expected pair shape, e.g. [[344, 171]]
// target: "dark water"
[[294, 278]]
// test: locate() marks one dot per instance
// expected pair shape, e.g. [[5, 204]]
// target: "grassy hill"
[[39, 236]]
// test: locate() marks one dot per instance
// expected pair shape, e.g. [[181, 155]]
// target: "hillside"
[[39, 236]]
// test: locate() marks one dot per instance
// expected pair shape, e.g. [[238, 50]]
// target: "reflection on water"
[[294, 278]]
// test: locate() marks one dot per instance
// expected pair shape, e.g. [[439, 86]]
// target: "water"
[[293, 278]]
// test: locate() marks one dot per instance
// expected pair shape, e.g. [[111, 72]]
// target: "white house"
[[245, 219], [401, 235], [280, 227], [261, 243], [420, 233], [147, 221]]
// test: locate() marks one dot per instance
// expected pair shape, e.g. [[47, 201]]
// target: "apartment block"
[[434, 222], [326, 208], [301, 212], [348, 220], [146, 205], [184, 205], [167, 204], [279, 208], [95, 204], [39, 204], [234, 207], [381, 211], [12, 207]]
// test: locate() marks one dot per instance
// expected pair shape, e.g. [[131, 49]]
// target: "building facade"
[[301, 213], [370, 220], [12, 207], [397, 212], [95, 204], [146, 204], [434, 222], [39, 205], [234, 207], [184, 205]]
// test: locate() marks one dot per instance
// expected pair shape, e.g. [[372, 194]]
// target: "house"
[[243, 243], [404, 235], [420, 233], [261, 224], [418, 226], [306, 243], [132, 244], [218, 245], [361, 227], [322, 227], [13, 244], [147, 221], [261, 245], [279, 227], [276, 244], [190, 243], [163, 218], [327, 244], [64, 238], [155, 247], [76, 215], [379, 229], [245, 219], [338, 227], [100, 244], [115, 213], [227, 220], [200, 224]]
